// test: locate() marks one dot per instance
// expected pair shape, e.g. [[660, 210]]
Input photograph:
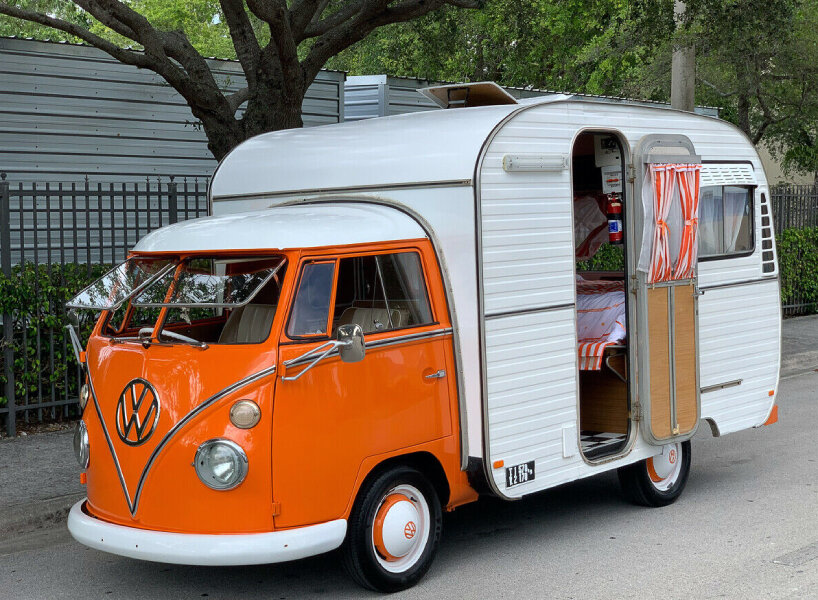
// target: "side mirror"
[[351, 344]]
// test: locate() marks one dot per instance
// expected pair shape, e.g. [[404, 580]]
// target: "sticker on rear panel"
[[519, 474]]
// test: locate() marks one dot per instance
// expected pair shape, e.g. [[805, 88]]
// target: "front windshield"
[[120, 283], [210, 282], [203, 300]]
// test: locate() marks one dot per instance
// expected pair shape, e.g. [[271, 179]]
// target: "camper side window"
[[725, 221]]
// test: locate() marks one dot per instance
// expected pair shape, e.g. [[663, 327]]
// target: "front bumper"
[[205, 549]]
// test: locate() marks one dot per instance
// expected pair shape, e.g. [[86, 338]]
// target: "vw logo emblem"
[[137, 412]]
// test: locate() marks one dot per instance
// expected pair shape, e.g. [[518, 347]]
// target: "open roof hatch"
[[464, 95]]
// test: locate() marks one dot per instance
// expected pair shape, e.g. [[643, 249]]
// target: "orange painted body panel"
[[336, 415], [318, 436], [172, 498]]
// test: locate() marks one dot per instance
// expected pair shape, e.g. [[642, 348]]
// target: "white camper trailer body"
[[505, 242]]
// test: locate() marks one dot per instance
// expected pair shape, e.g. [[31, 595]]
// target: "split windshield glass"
[[210, 282], [120, 283]]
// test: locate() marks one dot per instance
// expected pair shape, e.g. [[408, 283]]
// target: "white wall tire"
[[393, 531], [659, 480]]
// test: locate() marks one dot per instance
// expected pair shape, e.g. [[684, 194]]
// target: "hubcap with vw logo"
[[137, 412]]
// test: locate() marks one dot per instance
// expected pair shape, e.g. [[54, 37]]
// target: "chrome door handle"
[[439, 375]]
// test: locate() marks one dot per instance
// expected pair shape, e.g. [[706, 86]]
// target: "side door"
[[330, 415], [667, 178]]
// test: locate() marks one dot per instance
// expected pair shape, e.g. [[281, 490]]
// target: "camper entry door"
[[668, 173]]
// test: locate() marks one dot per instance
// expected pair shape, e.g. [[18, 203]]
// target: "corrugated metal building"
[[368, 96], [68, 110]]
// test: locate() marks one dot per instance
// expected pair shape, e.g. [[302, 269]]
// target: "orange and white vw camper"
[[384, 319]]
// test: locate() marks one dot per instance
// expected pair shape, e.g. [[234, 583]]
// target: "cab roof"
[[286, 227]]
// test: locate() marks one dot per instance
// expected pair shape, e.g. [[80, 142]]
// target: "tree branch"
[[304, 12], [716, 89], [130, 57], [243, 36], [343, 29], [238, 98]]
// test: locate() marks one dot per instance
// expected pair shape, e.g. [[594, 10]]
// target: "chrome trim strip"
[[403, 339], [721, 386], [335, 190], [738, 283], [526, 311], [110, 444], [134, 505]]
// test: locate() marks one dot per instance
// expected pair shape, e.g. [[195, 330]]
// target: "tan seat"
[[248, 324], [373, 320]]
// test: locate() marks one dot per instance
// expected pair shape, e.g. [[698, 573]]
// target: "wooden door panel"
[[658, 340], [684, 315]]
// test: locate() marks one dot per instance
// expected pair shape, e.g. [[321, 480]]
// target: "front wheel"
[[394, 531], [659, 480]]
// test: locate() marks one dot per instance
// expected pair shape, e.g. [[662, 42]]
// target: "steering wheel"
[[170, 334]]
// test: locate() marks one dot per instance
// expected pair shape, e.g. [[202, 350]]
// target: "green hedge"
[[798, 266], [35, 296]]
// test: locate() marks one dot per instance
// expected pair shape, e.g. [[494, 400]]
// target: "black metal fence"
[[54, 238], [795, 207]]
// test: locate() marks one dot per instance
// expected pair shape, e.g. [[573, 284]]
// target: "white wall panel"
[[739, 330]]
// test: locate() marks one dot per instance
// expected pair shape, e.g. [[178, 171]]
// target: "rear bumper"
[[205, 549]]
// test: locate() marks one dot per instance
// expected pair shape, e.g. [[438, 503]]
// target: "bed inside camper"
[[602, 332]]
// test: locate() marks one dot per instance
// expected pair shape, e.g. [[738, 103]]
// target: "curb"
[[20, 518]]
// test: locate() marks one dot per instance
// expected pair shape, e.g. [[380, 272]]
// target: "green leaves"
[[35, 296], [798, 267]]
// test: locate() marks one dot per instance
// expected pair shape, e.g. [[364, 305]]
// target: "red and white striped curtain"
[[664, 186], [668, 182], [689, 177]]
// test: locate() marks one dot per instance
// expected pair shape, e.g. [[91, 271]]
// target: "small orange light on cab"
[[498, 464], [83, 478]]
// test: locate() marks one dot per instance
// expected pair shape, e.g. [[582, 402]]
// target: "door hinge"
[[631, 173], [276, 508], [636, 412]]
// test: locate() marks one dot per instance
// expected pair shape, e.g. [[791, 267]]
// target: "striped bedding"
[[600, 319]]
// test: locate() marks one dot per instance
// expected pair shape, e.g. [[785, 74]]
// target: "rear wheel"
[[394, 531], [659, 480]]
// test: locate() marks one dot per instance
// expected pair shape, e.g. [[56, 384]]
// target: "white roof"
[[431, 146], [280, 228]]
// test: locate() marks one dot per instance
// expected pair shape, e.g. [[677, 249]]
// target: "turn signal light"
[[245, 414]]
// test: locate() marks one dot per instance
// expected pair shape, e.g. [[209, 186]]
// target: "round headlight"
[[245, 414], [221, 464], [85, 394], [82, 449]]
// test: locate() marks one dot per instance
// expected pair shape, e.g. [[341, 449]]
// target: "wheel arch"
[[425, 462]]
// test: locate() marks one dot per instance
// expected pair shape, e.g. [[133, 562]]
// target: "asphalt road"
[[745, 527]]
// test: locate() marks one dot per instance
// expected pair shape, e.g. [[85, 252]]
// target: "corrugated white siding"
[[739, 330], [67, 111], [528, 264], [531, 370]]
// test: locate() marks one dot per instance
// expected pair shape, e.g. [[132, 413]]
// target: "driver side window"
[[382, 292]]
